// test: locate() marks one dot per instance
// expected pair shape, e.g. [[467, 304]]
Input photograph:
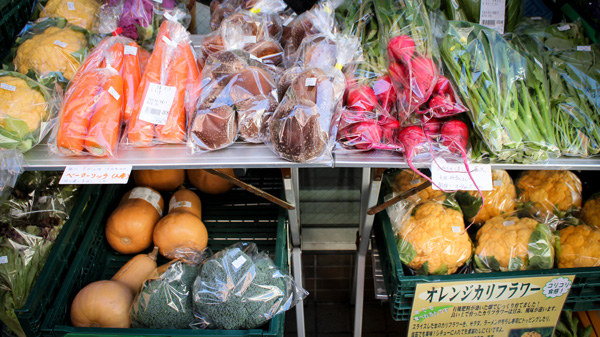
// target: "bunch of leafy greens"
[[30, 221], [470, 10]]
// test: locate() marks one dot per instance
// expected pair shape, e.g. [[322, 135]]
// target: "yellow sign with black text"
[[516, 307]]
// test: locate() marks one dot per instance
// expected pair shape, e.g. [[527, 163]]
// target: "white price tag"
[[249, 39], [157, 104], [71, 6], [454, 176], [169, 42], [114, 93], [310, 82], [563, 28], [456, 229], [96, 174], [60, 43], [158, 1], [3, 259], [492, 14], [415, 182], [508, 223], [178, 204], [584, 48], [169, 17], [130, 50], [536, 18], [238, 262], [8, 87], [147, 194], [497, 183]]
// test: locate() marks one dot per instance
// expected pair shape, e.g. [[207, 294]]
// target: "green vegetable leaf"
[[406, 250], [540, 248], [469, 204], [16, 126], [514, 264]]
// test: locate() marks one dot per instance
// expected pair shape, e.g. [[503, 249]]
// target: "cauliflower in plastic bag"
[[433, 240], [579, 247], [509, 243], [591, 211], [408, 179], [552, 191], [57, 48], [81, 13], [502, 199]]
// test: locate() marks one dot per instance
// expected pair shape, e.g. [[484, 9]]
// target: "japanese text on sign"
[[454, 176], [96, 174]]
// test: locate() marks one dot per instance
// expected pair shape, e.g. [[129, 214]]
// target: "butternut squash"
[[102, 304], [179, 234], [137, 270], [160, 180], [129, 228], [185, 200], [209, 183]]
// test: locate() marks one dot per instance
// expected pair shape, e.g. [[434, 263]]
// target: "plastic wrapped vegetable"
[[221, 10], [406, 179], [168, 90], [166, 302], [433, 240], [557, 191], [470, 10], [590, 214], [51, 47], [501, 199], [241, 288], [11, 167], [27, 111], [80, 13], [579, 247], [512, 242], [556, 37]]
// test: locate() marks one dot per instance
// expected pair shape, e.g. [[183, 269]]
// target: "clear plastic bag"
[[470, 10], [579, 246], [401, 181], [28, 111], [515, 241], [590, 213], [552, 191], [49, 49], [168, 91], [82, 13], [269, 10], [11, 167], [241, 288], [555, 37]]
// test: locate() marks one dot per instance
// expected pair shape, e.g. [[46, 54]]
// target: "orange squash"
[[185, 200], [180, 233], [160, 180], [137, 270], [129, 228], [209, 183], [102, 304]]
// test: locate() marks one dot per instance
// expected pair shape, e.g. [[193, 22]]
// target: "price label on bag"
[[130, 50], [454, 176], [157, 103], [95, 174], [492, 14], [584, 48], [60, 43], [71, 6], [8, 87]]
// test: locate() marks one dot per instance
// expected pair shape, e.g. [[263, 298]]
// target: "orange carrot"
[[92, 61], [131, 79], [174, 129], [103, 133], [144, 57], [76, 113], [113, 57]]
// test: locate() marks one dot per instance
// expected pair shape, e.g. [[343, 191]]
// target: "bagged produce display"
[[220, 10], [500, 200], [80, 13], [579, 246], [30, 221], [471, 10], [241, 288], [553, 191], [404, 180], [514, 241], [168, 91], [590, 212], [11, 167], [27, 111], [560, 36], [50, 48]]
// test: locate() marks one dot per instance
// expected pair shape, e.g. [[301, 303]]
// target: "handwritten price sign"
[[96, 174]]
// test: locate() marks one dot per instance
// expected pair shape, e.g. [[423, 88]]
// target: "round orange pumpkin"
[[129, 227], [185, 200], [102, 304], [180, 233], [161, 180], [210, 183]]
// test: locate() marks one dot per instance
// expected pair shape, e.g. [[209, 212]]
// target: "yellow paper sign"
[[513, 307]]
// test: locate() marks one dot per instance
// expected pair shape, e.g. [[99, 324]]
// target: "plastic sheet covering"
[[80, 13], [590, 214], [579, 247], [470, 10], [552, 191], [11, 167], [28, 111], [221, 10], [241, 288], [515, 241]]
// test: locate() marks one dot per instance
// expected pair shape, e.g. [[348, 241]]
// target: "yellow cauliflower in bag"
[[408, 179], [552, 191], [24, 103], [579, 247], [81, 13], [434, 240], [591, 211], [51, 51]]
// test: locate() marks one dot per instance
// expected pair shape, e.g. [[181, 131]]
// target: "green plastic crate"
[[401, 285], [13, 17], [232, 217], [55, 269]]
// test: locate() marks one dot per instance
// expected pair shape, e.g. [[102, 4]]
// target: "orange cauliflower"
[[500, 200], [552, 191], [81, 13], [509, 243], [591, 211], [408, 179], [531, 334], [434, 240], [579, 247]]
